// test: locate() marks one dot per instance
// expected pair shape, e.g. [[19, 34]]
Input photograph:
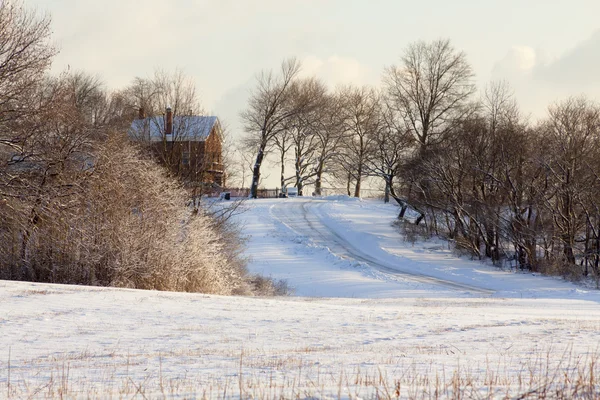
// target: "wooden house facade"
[[190, 146]]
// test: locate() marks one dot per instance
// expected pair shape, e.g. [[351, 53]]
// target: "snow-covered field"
[[373, 316]]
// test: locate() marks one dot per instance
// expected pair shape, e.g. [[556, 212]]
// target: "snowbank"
[[341, 197]]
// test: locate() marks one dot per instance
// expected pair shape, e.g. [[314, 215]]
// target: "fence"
[[245, 192]]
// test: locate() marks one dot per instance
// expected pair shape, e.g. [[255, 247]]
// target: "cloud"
[[231, 103], [579, 67], [539, 81], [336, 70], [519, 59]]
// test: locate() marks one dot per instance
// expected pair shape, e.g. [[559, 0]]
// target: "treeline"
[[473, 167], [79, 203]]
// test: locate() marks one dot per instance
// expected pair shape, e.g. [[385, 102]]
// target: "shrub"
[[127, 225]]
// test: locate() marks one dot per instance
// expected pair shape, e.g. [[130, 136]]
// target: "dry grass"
[[285, 376]]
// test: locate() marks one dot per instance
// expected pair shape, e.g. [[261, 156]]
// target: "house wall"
[[214, 159], [196, 163]]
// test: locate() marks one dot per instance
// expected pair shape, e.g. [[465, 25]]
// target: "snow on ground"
[[282, 244], [99, 341], [367, 331]]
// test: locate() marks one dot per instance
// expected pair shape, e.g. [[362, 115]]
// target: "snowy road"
[[345, 247], [306, 219]]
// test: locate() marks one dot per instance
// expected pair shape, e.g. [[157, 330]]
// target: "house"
[[189, 145]]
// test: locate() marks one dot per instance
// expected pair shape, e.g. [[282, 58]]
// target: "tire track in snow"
[[303, 221]]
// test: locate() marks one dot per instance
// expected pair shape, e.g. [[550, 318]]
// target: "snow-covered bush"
[[126, 224], [152, 238]]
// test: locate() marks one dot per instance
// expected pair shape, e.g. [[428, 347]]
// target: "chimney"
[[169, 122], [141, 113]]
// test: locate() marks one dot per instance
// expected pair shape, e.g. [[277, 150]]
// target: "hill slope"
[[345, 247], [463, 333]]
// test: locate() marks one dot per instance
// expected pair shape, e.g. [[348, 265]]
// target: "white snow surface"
[[354, 329], [322, 248]]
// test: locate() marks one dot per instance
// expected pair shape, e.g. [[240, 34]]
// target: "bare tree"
[[328, 134], [268, 108], [95, 104], [49, 173], [361, 121], [228, 150], [301, 129], [176, 90], [25, 54], [430, 89], [282, 143], [151, 97], [500, 124], [140, 97], [389, 148], [245, 162], [573, 129]]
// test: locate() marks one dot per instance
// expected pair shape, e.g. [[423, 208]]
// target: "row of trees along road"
[[470, 166]]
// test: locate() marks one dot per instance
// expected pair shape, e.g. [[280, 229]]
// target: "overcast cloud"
[[539, 80]]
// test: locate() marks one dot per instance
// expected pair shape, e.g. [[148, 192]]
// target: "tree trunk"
[[402, 211], [256, 171], [358, 179], [419, 219], [490, 234], [282, 176], [357, 188], [386, 194], [568, 249], [318, 184], [567, 237], [597, 256], [403, 205], [586, 248], [348, 182], [299, 183], [27, 271]]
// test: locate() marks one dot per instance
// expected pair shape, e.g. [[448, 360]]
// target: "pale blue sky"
[[547, 49]]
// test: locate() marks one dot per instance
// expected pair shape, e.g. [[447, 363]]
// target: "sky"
[[546, 49]]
